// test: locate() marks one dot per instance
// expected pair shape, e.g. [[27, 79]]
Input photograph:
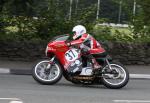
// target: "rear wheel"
[[47, 76], [116, 77]]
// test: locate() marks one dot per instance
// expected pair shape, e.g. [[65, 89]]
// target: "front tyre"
[[116, 77], [47, 76]]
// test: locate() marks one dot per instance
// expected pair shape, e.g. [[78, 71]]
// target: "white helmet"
[[79, 30]]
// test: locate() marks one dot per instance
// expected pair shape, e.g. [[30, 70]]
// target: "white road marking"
[[131, 101], [15, 102], [12, 100], [143, 76], [4, 70]]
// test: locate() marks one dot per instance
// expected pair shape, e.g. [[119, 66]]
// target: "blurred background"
[[42, 19], [32, 23]]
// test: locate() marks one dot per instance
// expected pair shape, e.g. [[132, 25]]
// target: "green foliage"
[[43, 19], [106, 33], [123, 36], [18, 27], [50, 20], [145, 13], [140, 20], [102, 33], [17, 7], [25, 28]]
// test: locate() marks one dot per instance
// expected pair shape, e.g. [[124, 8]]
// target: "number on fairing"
[[71, 55]]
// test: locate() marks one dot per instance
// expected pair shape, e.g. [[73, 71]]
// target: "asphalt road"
[[23, 89]]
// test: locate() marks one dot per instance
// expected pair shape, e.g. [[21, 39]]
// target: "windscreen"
[[60, 38]]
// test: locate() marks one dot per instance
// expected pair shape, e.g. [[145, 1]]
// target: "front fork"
[[50, 63], [108, 64]]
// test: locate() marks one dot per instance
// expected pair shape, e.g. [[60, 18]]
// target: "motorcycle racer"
[[88, 44]]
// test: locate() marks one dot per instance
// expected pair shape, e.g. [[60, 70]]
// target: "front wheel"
[[47, 76], [116, 77]]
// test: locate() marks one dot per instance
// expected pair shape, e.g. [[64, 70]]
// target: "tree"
[[141, 19], [17, 7], [145, 11]]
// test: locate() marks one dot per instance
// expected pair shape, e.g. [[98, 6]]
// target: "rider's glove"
[[68, 44]]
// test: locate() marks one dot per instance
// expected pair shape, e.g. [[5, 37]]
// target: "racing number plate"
[[71, 55]]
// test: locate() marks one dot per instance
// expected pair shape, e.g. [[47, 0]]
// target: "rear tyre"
[[116, 78], [44, 76]]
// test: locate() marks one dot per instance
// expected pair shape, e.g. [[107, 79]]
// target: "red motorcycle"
[[69, 62]]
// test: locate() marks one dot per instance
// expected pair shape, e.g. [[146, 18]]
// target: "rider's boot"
[[95, 64]]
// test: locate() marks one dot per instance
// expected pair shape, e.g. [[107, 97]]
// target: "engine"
[[86, 71]]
